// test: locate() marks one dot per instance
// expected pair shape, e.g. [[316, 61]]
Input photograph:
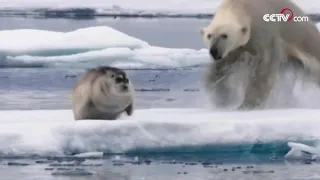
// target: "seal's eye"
[[119, 80], [224, 36], [112, 75]]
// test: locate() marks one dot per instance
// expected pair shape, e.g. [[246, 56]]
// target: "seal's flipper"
[[129, 110]]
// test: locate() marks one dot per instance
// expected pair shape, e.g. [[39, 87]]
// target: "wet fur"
[[218, 74], [271, 45]]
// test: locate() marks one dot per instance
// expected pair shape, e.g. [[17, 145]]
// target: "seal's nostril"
[[125, 87]]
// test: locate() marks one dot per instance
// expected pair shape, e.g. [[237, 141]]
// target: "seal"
[[103, 93]]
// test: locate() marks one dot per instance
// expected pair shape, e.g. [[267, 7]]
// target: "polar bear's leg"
[[216, 82], [217, 78], [264, 76]]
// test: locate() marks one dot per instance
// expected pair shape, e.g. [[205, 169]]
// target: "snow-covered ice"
[[54, 132], [119, 57], [32, 40], [89, 46]]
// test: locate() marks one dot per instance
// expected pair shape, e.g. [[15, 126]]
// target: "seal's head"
[[103, 93], [116, 79]]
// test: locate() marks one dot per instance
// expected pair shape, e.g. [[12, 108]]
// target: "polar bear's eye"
[[209, 36], [224, 36]]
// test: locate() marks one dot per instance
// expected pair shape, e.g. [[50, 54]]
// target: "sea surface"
[[49, 88]]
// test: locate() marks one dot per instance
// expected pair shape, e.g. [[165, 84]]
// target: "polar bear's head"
[[222, 36]]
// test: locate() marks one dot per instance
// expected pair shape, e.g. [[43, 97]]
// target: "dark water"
[[140, 168], [50, 88]]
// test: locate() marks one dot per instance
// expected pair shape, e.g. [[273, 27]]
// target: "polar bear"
[[238, 27], [224, 80]]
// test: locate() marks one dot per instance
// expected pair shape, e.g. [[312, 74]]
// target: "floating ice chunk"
[[121, 57], [302, 151], [32, 41], [89, 47]]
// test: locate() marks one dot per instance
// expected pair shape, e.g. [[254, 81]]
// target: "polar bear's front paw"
[[247, 107]]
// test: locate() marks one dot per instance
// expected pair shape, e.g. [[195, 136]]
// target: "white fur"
[[270, 43]]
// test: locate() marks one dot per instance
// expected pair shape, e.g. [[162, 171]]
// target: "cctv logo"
[[282, 17]]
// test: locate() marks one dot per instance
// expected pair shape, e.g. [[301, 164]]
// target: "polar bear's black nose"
[[214, 53]]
